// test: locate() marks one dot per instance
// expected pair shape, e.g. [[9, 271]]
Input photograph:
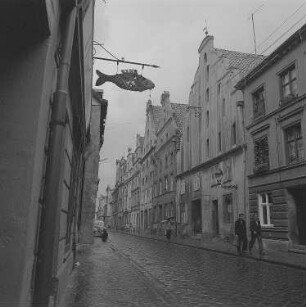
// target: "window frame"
[[258, 168], [281, 74], [286, 142], [268, 205], [259, 89]]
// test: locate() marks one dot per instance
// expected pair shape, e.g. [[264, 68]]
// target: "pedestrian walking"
[[241, 233], [255, 229]]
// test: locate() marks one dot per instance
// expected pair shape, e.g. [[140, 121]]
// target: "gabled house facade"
[[164, 187], [136, 184], [153, 115], [275, 120], [211, 163]]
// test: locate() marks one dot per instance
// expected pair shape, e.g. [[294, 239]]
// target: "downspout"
[[46, 280]]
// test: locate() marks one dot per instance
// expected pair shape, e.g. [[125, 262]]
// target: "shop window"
[[258, 102], [264, 208], [261, 154], [227, 208], [288, 83], [294, 143]]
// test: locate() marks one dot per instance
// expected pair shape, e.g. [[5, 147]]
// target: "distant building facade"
[[211, 163], [275, 120], [153, 114], [136, 184], [164, 188], [95, 137]]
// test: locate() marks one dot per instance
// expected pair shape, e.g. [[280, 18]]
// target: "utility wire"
[[284, 22], [275, 41]]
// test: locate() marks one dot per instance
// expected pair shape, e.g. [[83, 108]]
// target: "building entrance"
[[196, 216], [299, 196]]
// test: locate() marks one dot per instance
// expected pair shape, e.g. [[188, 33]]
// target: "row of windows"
[[164, 186], [288, 90], [294, 148]]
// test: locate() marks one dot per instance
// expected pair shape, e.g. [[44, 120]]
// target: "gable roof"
[[179, 111], [244, 62]]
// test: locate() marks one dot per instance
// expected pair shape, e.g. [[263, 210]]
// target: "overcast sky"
[[168, 33]]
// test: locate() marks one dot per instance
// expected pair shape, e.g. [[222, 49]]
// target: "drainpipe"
[[240, 105], [46, 279]]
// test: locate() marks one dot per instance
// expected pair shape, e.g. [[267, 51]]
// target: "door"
[[299, 195], [215, 217], [196, 215]]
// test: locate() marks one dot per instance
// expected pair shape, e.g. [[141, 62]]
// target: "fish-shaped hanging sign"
[[128, 80]]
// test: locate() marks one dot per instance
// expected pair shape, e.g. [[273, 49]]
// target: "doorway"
[[196, 216], [299, 196], [215, 217]]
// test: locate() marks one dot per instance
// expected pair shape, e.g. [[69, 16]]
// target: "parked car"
[[98, 227]]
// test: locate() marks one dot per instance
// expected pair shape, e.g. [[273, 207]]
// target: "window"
[[223, 107], [166, 184], [160, 187], [219, 142], [187, 134], [219, 89], [171, 182], [261, 154], [207, 73], [171, 158], [227, 208], [183, 213], [258, 103], [166, 161], [294, 143], [183, 186], [207, 118], [207, 148], [205, 58], [288, 83], [234, 135], [264, 208], [207, 95]]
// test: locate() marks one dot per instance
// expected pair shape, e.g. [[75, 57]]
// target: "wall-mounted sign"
[[128, 80]]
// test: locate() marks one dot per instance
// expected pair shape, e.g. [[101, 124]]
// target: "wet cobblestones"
[[135, 271]]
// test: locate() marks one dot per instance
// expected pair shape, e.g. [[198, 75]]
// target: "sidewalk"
[[289, 259]]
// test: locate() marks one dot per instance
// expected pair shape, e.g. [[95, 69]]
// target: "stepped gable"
[[179, 111], [157, 115], [244, 62]]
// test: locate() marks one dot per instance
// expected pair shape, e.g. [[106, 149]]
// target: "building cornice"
[[235, 150]]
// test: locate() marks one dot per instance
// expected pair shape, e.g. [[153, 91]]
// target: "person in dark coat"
[[255, 229], [241, 232]]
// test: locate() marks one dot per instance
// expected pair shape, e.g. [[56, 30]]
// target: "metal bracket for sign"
[[126, 62]]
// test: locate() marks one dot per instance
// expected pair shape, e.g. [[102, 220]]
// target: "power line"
[[277, 28], [283, 34]]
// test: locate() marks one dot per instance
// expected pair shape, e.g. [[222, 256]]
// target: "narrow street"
[[134, 271]]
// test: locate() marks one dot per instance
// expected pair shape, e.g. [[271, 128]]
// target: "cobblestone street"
[[135, 271]]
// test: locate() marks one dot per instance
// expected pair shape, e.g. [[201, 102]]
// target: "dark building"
[[45, 103]]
